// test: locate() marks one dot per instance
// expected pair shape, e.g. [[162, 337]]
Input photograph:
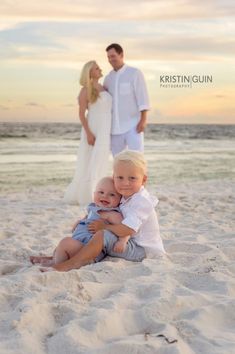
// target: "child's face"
[[106, 195], [128, 178]]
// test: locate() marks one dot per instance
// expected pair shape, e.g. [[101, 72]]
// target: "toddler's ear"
[[145, 179]]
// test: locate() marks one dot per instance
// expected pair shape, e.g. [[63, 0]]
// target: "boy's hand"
[[119, 246], [96, 225]]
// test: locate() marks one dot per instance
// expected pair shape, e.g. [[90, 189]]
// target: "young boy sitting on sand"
[[139, 218], [105, 206]]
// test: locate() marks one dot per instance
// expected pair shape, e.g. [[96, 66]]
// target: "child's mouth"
[[104, 202]]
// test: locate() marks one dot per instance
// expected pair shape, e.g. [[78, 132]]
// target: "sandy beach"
[[182, 303]]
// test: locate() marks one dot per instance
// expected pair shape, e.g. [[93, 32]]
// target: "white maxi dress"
[[92, 160]]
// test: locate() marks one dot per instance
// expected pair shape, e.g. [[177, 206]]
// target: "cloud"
[[220, 96], [183, 48], [4, 108], [69, 44], [34, 104], [68, 105], [121, 10]]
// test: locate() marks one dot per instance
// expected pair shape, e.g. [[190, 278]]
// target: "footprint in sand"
[[202, 282], [189, 248], [7, 269], [9, 301], [6, 234], [62, 314]]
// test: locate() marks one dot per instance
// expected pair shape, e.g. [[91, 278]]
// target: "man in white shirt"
[[130, 102]]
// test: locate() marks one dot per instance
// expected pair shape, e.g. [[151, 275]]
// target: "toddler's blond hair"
[[135, 157]]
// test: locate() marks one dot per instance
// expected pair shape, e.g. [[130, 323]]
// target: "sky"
[[43, 46]]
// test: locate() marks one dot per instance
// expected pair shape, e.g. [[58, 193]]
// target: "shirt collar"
[[120, 71], [123, 200], [142, 191]]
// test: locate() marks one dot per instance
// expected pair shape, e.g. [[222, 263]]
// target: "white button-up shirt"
[[139, 214], [130, 97]]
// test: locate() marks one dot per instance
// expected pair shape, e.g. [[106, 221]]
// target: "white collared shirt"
[[130, 97], [139, 214]]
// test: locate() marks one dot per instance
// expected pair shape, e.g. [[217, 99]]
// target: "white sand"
[[118, 306]]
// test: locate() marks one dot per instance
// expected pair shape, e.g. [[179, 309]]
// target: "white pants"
[[130, 140]]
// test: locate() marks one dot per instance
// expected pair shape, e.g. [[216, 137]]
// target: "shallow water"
[[30, 162]]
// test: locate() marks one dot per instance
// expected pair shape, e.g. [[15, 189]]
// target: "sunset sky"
[[44, 44]]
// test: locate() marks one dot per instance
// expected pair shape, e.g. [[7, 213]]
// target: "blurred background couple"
[[113, 117]]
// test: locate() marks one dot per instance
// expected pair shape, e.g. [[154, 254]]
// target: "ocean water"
[[45, 154]]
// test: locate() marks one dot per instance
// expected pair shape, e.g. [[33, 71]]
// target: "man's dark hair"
[[115, 46]]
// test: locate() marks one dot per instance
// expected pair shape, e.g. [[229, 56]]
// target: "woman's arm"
[[83, 106]]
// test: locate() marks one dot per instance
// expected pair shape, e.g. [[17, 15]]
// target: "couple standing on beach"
[[117, 114]]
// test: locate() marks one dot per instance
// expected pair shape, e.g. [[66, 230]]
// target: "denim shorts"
[[133, 252], [84, 238]]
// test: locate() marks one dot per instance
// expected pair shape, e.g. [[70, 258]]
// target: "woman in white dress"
[[93, 152]]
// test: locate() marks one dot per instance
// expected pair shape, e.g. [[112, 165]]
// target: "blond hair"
[[106, 179], [135, 157], [87, 82]]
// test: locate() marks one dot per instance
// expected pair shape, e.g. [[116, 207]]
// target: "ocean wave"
[[71, 131]]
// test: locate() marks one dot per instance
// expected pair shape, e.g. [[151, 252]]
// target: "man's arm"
[[142, 99], [143, 121], [105, 83]]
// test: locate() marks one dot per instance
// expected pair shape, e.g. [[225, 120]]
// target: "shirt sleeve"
[[105, 83], [141, 92], [138, 214]]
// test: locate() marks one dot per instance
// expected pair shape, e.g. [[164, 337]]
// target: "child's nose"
[[126, 182]]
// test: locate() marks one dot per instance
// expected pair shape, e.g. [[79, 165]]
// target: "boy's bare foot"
[[47, 263], [40, 259], [46, 269]]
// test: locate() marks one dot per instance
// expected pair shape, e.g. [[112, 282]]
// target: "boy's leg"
[[66, 249], [86, 254], [132, 252]]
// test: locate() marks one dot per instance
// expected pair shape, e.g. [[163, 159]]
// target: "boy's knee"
[[65, 241], [99, 234]]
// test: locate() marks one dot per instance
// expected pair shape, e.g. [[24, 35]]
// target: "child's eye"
[[132, 178], [112, 195], [119, 177], [101, 192]]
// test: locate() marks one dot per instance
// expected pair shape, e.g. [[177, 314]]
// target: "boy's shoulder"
[[91, 205], [144, 198]]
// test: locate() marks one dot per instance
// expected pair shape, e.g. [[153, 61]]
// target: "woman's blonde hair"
[[86, 81], [135, 157]]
